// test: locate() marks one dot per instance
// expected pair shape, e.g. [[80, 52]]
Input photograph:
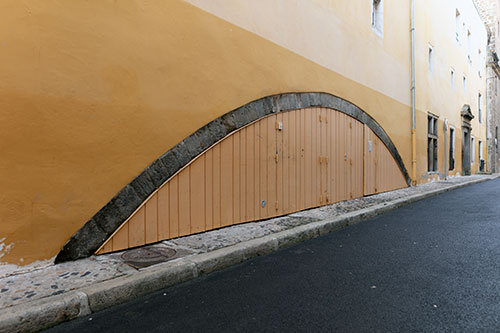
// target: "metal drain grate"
[[144, 257]]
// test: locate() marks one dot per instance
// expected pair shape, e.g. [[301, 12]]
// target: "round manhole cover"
[[144, 257]]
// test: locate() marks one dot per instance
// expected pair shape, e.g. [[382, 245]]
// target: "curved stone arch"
[[108, 219]]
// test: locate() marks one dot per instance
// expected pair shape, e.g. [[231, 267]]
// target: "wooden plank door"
[[280, 164]]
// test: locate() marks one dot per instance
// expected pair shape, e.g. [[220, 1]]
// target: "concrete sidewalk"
[[44, 296]]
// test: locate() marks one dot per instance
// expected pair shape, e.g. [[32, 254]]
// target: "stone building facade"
[[490, 12]]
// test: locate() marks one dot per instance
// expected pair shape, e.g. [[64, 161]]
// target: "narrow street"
[[430, 266]]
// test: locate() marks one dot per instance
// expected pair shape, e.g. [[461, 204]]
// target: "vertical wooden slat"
[[217, 186], [251, 204], [303, 160], [357, 138], [184, 202], [368, 163], [226, 181], [209, 185], [263, 158], [344, 154], [351, 158], [108, 247], [308, 158], [317, 138], [271, 167], [120, 239], [283, 139], [382, 182], [151, 218], [243, 177], [257, 170], [173, 196], [338, 159], [292, 161], [236, 178], [197, 195], [278, 139], [378, 165], [314, 157], [136, 229], [324, 156], [328, 147], [163, 213]]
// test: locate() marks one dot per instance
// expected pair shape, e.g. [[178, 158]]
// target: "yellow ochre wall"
[[93, 91]]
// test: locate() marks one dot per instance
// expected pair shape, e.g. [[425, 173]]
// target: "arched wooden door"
[[280, 164]]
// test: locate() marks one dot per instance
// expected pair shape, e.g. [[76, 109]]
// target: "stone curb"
[[50, 311], [43, 313]]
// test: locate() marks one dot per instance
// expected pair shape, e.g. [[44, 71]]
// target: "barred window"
[[432, 143], [452, 149]]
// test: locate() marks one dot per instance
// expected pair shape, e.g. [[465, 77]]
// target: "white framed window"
[[473, 152], [378, 16], [430, 58], [452, 79]]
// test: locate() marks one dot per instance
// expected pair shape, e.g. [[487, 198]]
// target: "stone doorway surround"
[[467, 116]]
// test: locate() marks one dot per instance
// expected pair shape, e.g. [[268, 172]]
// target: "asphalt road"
[[430, 266]]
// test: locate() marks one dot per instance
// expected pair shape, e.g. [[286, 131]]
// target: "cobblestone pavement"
[[22, 284]]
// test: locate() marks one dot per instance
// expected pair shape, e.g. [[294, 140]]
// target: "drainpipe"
[[488, 134], [413, 121], [445, 149]]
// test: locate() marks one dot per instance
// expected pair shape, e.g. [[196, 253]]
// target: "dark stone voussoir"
[[117, 210], [345, 107], [261, 107], [83, 244], [315, 99], [356, 112], [181, 153], [252, 112], [240, 116], [228, 122], [289, 102], [217, 129], [305, 100], [363, 117], [158, 174], [268, 105], [170, 162], [128, 201], [193, 145], [207, 139], [144, 184], [329, 101]]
